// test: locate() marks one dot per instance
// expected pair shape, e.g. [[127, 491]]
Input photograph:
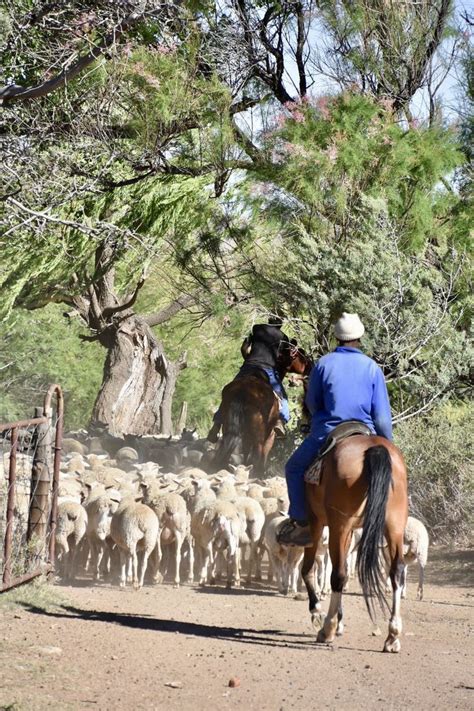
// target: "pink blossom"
[[141, 70], [281, 120], [414, 123], [298, 116], [322, 105], [166, 48]]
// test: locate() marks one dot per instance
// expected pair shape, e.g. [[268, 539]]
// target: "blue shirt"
[[348, 385]]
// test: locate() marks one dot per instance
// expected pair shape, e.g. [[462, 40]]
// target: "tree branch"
[[112, 310], [171, 310], [15, 92]]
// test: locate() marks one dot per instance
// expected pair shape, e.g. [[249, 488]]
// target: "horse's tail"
[[377, 472], [232, 437]]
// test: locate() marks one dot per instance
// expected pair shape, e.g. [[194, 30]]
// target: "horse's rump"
[[249, 412]]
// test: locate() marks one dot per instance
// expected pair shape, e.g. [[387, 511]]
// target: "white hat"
[[349, 327]]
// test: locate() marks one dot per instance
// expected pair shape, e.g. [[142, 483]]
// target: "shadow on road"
[[270, 638]]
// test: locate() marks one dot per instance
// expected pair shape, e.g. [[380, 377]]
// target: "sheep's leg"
[[276, 568], [156, 561], [231, 567], [327, 570], [259, 551], [100, 555], [71, 562], [252, 556], [236, 560], [144, 564], [177, 557], [236, 565], [397, 576], [123, 568], [191, 560], [206, 552], [421, 575], [134, 561]]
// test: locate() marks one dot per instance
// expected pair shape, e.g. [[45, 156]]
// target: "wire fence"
[[29, 473]]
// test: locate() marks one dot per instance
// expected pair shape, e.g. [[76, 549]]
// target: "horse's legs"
[[397, 577], [307, 573], [339, 540], [267, 446]]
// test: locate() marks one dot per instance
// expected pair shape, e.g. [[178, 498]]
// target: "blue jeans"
[[277, 386], [295, 468]]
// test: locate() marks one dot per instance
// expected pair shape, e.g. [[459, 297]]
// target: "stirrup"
[[291, 534]]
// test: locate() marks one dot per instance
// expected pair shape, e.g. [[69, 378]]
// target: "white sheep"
[[71, 527], [134, 526], [217, 528], [285, 560], [415, 548], [174, 521], [100, 508], [416, 542], [252, 522]]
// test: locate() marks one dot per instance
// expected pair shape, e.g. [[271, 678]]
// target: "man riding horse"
[[261, 350], [344, 385]]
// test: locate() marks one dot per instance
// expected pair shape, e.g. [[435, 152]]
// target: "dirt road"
[[99, 647]]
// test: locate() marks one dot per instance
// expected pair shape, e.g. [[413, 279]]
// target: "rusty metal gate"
[[29, 478]]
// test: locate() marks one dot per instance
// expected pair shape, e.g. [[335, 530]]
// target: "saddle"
[[345, 429]]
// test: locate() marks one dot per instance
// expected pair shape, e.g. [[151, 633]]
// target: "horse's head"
[[293, 359]]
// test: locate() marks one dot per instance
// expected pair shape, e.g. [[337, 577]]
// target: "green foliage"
[[347, 147], [41, 347], [439, 456]]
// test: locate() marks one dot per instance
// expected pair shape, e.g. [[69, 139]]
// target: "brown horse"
[[363, 482], [250, 411]]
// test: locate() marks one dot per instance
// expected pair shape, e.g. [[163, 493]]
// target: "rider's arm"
[[314, 396], [380, 413]]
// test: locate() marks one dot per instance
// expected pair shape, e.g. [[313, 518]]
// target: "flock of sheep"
[[138, 514]]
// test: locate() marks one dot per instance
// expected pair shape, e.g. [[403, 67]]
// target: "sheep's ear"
[[88, 486], [144, 484], [232, 468], [249, 468]]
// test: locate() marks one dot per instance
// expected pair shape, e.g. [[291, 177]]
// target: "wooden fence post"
[[40, 484]]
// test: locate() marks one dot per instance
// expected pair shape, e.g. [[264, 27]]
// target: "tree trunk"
[[138, 382]]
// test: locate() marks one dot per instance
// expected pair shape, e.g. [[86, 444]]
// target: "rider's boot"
[[280, 429], [294, 533]]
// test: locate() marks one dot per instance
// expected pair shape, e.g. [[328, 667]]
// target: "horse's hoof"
[[300, 596], [176, 586], [340, 629], [317, 620], [393, 647], [321, 638]]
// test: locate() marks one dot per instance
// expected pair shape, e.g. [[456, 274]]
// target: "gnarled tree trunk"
[[138, 384]]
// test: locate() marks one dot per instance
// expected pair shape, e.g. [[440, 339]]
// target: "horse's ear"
[[293, 342]]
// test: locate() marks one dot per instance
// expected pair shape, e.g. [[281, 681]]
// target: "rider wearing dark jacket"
[[260, 350]]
